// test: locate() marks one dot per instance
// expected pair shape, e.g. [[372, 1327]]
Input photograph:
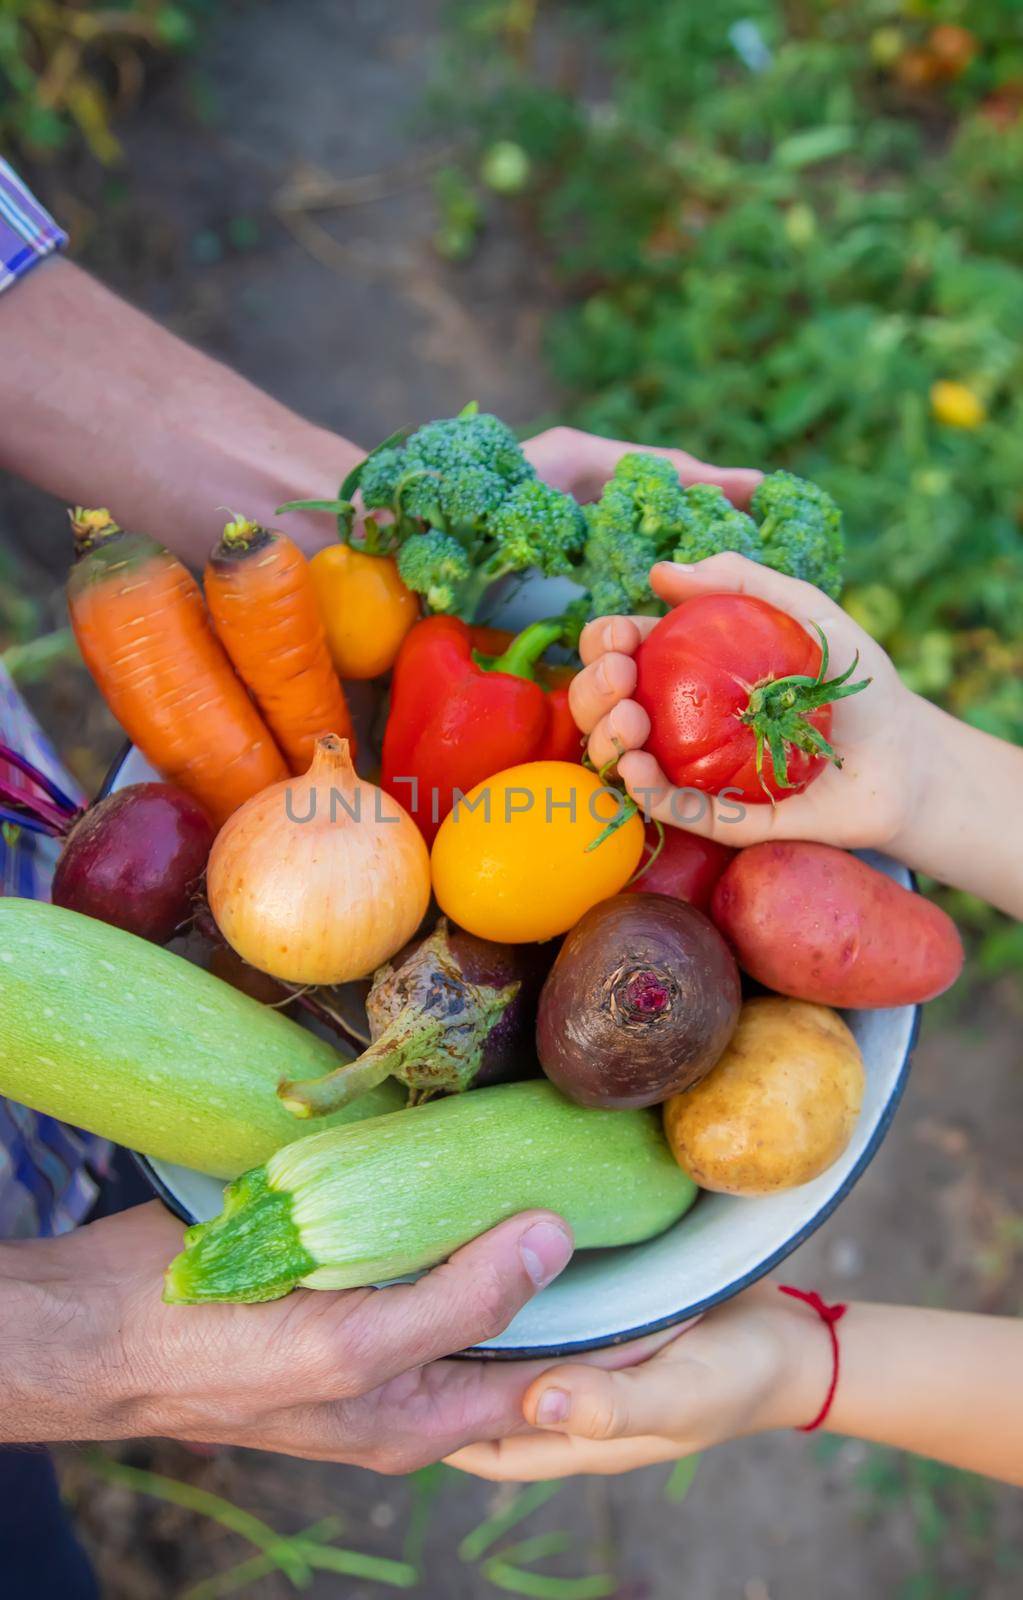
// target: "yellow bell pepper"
[[366, 609]]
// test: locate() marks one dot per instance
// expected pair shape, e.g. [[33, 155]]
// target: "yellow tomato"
[[956, 405], [510, 863], [366, 609]]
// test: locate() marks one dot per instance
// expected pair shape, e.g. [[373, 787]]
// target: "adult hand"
[[880, 733], [88, 1350], [582, 463]]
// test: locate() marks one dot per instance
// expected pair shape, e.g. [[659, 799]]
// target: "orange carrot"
[[142, 628], [264, 608]]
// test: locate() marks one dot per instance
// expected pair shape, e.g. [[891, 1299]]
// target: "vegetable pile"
[[493, 911]]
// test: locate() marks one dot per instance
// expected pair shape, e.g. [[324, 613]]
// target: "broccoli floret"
[[379, 478], [434, 565], [536, 526], [646, 492], [480, 440], [466, 498], [466, 479], [646, 515], [711, 524], [640, 518], [616, 568], [800, 530]]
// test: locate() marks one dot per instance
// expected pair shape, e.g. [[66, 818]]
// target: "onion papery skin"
[[319, 879]]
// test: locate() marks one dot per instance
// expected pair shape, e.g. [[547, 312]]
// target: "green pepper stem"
[[525, 650]]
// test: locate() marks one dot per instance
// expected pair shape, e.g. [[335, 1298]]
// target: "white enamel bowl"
[[720, 1247]]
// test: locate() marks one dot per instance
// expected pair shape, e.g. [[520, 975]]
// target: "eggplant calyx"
[[430, 1025], [639, 995]]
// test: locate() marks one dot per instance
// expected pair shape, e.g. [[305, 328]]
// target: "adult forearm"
[[939, 1383], [965, 824], [99, 405], [55, 1366]]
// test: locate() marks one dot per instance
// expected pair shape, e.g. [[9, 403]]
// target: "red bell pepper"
[[458, 717]]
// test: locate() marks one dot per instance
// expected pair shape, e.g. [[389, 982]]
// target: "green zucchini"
[[113, 1034], [373, 1201]]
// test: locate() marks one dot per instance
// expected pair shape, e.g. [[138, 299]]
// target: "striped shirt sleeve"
[[27, 232]]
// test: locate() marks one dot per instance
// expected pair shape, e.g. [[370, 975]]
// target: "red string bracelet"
[[829, 1315]]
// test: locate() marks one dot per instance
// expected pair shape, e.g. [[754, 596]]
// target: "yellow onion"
[[322, 878]]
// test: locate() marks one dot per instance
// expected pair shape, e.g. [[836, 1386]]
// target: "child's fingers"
[[595, 690], [613, 633], [703, 814], [734, 574], [626, 727], [588, 1403], [531, 1458], [657, 798]]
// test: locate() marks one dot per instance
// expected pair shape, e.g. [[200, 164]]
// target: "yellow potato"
[[777, 1108]]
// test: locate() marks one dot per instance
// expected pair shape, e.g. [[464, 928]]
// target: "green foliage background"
[[67, 65], [773, 230]]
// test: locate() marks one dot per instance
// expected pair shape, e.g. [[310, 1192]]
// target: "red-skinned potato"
[[819, 924], [685, 866]]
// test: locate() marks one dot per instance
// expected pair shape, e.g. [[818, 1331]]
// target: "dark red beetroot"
[[135, 859], [639, 1005], [685, 866]]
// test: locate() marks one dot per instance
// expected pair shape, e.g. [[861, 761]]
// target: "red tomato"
[[687, 867], [709, 677]]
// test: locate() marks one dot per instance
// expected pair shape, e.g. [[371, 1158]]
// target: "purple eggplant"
[[449, 1012]]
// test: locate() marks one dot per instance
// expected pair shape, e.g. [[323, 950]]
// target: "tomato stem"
[[778, 713], [644, 866]]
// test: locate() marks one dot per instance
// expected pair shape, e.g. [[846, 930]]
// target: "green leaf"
[[812, 145], [175, 27], [32, 661], [336, 507], [681, 1480], [235, 1579], [282, 1551], [528, 1500], [355, 1564], [539, 1586]]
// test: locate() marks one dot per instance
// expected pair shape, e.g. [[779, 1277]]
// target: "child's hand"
[[761, 1361], [878, 732]]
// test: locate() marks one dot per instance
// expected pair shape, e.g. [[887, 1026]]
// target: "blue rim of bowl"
[[556, 1352]]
